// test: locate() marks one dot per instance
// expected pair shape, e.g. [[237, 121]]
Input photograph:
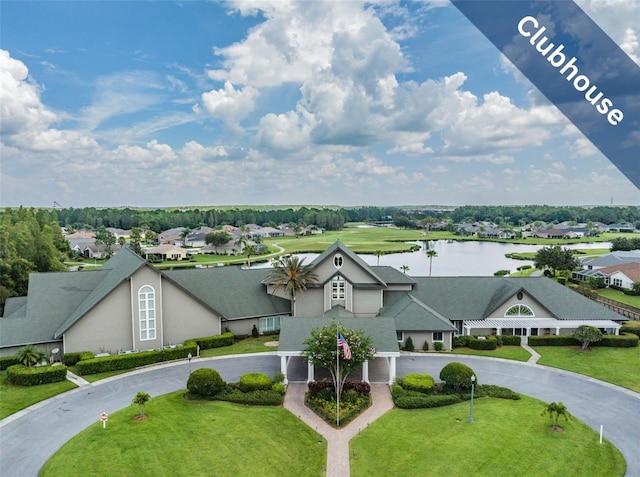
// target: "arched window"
[[519, 310], [337, 288], [337, 261], [147, 306]]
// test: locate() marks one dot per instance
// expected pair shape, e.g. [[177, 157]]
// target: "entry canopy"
[[295, 330]]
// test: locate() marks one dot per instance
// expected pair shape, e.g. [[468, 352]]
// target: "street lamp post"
[[473, 382], [189, 358]]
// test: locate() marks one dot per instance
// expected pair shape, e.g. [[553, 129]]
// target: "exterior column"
[[283, 368], [557, 331], [310, 372], [392, 370], [498, 331], [365, 371]]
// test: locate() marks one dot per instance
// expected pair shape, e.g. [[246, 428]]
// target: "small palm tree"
[[141, 398], [404, 268], [555, 411], [431, 253], [378, 254], [30, 355], [291, 274], [249, 250]]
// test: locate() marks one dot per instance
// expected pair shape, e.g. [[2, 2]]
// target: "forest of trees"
[[335, 218]]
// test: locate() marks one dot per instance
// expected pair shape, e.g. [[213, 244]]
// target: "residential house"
[[166, 251]]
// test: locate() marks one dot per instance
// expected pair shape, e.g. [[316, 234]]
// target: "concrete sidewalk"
[[338, 439]]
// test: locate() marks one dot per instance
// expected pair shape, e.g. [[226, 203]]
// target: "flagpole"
[[337, 377]]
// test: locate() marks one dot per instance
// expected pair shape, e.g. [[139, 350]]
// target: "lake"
[[458, 259]]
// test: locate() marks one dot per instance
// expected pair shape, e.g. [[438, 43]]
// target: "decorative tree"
[[378, 254], [29, 355], [431, 254], [217, 239], [555, 411], [587, 334], [404, 268], [293, 276], [141, 399], [107, 239], [555, 258], [322, 350]]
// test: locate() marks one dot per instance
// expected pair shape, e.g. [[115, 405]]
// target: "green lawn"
[[248, 345], [619, 366], [508, 438], [516, 353], [14, 398], [187, 438], [619, 296]]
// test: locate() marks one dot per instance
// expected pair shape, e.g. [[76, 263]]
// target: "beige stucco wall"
[[241, 327], [143, 277], [350, 271], [538, 309], [366, 303], [419, 337], [310, 303], [107, 326]]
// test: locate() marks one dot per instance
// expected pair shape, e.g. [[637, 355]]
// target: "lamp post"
[[189, 358], [473, 382]]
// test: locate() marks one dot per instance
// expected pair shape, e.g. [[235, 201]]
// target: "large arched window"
[[337, 288], [147, 306], [519, 310]]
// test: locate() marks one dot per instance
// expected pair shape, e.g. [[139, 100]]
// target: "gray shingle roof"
[[340, 247], [411, 314]]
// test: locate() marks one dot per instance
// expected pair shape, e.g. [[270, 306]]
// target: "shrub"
[[438, 346], [460, 341], [22, 375], [279, 388], [71, 359], [524, 267], [627, 340], [408, 344], [415, 400], [491, 390], [553, 340], [511, 340], [7, 361], [218, 341], [422, 383], [254, 331], [205, 382], [278, 377], [254, 382], [255, 398], [457, 376], [631, 327], [489, 343], [425, 346], [501, 273]]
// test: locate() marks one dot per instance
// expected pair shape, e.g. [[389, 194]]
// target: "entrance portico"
[[534, 326]]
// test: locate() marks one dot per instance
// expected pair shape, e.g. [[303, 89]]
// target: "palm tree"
[[378, 254], [250, 250], [431, 253], [555, 412], [141, 398], [291, 274], [183, 235], [242, 242], [404, 268], [29, 355]]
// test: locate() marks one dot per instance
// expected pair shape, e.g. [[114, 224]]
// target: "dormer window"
[[519, 310], [338, 261], [337, 288]]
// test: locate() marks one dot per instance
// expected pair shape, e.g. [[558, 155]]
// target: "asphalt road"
[[29, 438]]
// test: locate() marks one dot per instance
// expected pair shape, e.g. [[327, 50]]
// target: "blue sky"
[[165, 103]]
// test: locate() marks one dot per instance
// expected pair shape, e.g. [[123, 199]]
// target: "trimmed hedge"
[[553, 340], [205, 382], [489, 343], [134, 360], [422, 383], [255, 398], [491, 390], [631, 327], [22, 375], [218, 341], [71, 359], [255, 382], [7, 361], [628, 340], [416, 400], [511, 340]]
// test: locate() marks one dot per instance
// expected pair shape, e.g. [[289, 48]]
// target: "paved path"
[[29, 437]]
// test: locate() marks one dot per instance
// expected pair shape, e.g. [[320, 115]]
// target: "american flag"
[[342, 343]]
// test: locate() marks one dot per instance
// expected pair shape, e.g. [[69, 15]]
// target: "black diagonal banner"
[[582, 71]]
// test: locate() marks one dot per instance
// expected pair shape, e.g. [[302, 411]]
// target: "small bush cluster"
[[218, 341], [460, 341], [510, 340], [489, 343], [255, 382], [491, 390], [438, 346], [134, 360], [205, 383], [626, 340], [271, 397], [553, 340], [22, 375], [405, 399], [422, 383], [352, 402], [327, 388], [71, 359], [7, 361]]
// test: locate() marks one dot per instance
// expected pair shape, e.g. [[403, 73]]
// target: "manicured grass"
[[187, 438], [516, 353], [619, 366], [508, 438], [619, 296], [248, 345], [14, 398]]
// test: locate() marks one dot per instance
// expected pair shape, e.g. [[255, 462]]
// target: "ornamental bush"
[[457, 376], [627, 340], [22, 375], [422, 383], [553, 340], [205, 382], [631, 327], [438, 346], [71, 359], [404, 399], [7, 361], [225, 339], [408, 344], [489, 343], [255, 382], [255, 398], [511, 340]]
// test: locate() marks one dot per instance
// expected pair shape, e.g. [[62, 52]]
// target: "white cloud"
[[229, 104]]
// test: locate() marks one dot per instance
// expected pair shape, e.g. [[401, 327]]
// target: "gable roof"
[[630, 270], [338, 246], [614, 258], [411, 314]]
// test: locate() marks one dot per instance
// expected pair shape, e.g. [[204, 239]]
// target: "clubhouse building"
[[130, 305]]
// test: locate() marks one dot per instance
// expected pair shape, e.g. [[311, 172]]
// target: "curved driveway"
[[30, 437]]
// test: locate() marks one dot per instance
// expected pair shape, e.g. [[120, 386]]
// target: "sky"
[[258, 102]]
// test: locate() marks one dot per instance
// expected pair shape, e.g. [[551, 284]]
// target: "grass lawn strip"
[[186, 438], [620, 366], [14, 398], [515, 353], [507, 438]]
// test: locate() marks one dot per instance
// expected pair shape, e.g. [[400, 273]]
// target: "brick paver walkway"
[[338, 439]]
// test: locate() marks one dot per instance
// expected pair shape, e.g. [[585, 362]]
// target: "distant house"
[[614, 258], [626, 227], [92, 251], [166, 251], [622, 275], [550, 233], [172, 236]]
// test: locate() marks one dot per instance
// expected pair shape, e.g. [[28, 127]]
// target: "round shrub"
[[422, 383], [457, 376], [205, 382], [254, 382], [438, 346]]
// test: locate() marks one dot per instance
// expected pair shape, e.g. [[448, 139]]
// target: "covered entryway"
[[534, 326]]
